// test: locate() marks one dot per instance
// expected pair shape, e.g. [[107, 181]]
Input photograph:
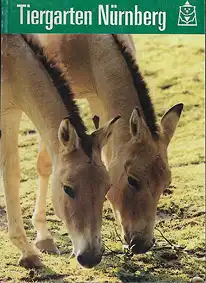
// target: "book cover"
[[102, 141]]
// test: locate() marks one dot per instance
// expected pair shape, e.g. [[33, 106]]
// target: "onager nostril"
[[80, 259], [139, 245], [89, 259]]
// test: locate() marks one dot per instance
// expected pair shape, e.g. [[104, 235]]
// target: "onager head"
[[139, 174], [79, 186]]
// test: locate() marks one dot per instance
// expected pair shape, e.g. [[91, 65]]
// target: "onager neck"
[[56, 103], [46, 110], [117, 98], [47, 119], [38, 97], [124, 107], [123, 104], [122, 89]]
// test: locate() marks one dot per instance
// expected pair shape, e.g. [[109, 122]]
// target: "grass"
[[173, 66]]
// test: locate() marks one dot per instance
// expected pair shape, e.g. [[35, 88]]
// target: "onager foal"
[[103, 69], [80, 180]]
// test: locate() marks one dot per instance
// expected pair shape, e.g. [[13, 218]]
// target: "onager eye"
[[133, 183], [69, 191]]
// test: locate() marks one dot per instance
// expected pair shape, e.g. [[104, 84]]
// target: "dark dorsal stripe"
[[66, 94], [140, 86]]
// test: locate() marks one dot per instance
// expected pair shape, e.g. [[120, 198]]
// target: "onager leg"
[[10, 119], [44, 240]]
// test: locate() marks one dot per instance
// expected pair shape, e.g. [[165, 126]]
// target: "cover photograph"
[[102, 141]]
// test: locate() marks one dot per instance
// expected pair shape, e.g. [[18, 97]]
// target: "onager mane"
[[140, 86], [67, 96]]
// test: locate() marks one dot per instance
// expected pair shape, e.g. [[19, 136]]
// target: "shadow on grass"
[[142, 268], [45, 274], [145, 277], [128, 272]]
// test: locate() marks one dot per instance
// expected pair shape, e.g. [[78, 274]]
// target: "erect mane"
[[66, 94], [140, 86]]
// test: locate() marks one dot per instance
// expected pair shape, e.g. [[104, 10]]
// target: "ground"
[[173, 66]]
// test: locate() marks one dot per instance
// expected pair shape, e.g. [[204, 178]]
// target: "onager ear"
[[68, 136], [103, 134], [170, 120], [136, 124]]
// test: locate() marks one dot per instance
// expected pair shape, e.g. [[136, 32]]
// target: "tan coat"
[[78, 181], [102, 72]]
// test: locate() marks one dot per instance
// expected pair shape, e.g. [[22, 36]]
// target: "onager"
[[103, 69], [80, 180]]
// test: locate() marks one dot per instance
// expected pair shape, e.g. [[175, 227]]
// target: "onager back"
[[80, 180]]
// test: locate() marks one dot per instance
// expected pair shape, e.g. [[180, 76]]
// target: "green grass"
[[173, 66]]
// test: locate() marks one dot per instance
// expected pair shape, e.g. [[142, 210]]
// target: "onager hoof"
[[32, 261], [48, 246]]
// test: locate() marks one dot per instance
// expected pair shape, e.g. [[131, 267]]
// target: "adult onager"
[[103, 70], [80, 180]]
